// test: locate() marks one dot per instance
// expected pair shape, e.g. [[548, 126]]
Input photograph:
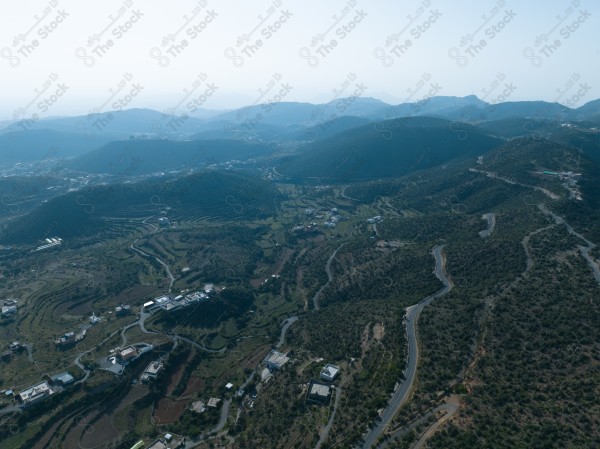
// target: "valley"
[[449, 283]]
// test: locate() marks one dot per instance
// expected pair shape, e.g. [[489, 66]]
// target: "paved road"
[[198, 345], [191, 443], [325, 433], [491, 220], [402, 393], [286, 325], [329, 277], [585, 250], [450, 409], [159, 260]]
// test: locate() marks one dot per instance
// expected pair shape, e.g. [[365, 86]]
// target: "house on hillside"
[[318, 393], [329, 373], [34, 394], [275, 360]]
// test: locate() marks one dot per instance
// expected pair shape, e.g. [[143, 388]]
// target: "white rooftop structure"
[[162, 300], [319, 390], [330, 372], [9, 310], [275, 360], [36, 393]]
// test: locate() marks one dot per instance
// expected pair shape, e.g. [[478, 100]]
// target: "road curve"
[[286, 325], [159, 260], [329, 277], [402, 392]]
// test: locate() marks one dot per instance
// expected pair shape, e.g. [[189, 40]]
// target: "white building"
[[35, 394], [151, 371], [9, 310], [330, 372], [275, 360], [318, 392]]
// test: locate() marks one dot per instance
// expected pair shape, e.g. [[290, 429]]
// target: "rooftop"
[[213, 402], [64, 378], [277, 359], [320, 390], [330, 371], [36, 392]]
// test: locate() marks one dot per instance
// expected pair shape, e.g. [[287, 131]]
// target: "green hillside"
[[208, 195], [387, 149]]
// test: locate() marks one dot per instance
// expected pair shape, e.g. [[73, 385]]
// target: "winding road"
[[286, 325], [329, 277], [403, 391], [584, 250], [491, 220], [159, 260]]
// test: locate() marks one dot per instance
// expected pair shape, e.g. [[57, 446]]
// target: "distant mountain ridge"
[[386, 149]]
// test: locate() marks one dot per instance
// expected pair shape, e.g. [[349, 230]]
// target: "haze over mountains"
[[349, 139], [67, 137]]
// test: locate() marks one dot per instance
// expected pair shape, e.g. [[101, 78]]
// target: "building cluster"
[[321, 392], [69, 339], [119, 358], [169, 303], [330, 217], [569, 182], [50, 242], [13, 348], [43, 390]]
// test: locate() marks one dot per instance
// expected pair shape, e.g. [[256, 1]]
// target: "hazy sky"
[[65, 57]]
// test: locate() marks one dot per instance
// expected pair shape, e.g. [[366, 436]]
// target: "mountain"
[[208, 195], [387, 149], [280, 114], [120, 124], [519, 127], [293, 113], [35, 145], [329, 128], [588, 110], [527, 109], [143, 156], [439, 106]]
